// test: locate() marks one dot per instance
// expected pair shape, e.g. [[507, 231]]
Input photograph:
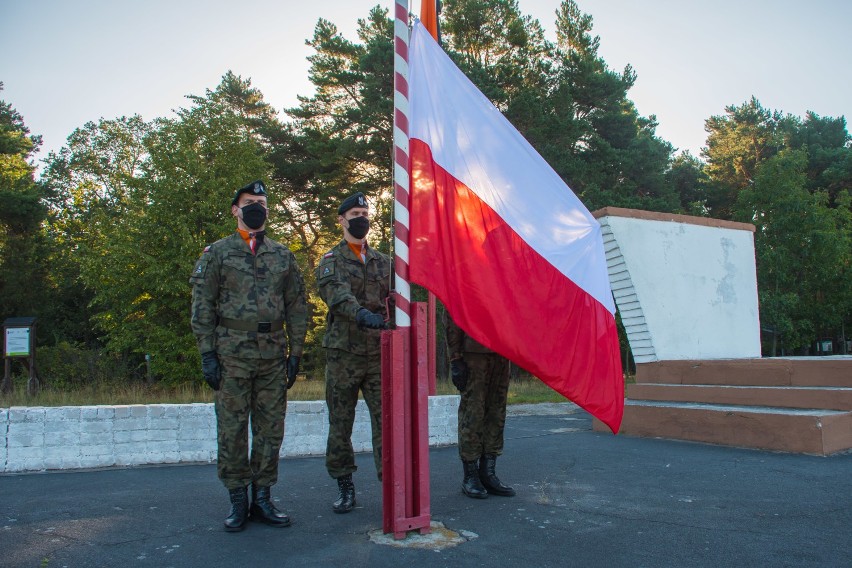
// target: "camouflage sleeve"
[[205, 291], [455, 338], [334, 288], [297, 308]]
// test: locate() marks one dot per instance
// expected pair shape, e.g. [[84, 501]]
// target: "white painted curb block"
[[75, 437]]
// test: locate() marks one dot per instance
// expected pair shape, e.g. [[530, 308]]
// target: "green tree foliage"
[[804, 251], [341, 137], [126, 207], [565, 100], [623, 161], [826, 141], [196, 163], [689, 181], [92, 182], [502, 51], [135, 203], [737, 143], [339, 141], [792, 178], [22, 247]]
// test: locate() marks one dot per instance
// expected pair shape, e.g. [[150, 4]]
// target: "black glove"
[[211, 370], [292, 370], [367, 319], [459, 373]]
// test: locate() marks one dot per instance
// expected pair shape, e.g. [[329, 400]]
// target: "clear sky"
[[66, 63]]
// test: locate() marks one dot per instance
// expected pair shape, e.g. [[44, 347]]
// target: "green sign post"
[[19, 342]]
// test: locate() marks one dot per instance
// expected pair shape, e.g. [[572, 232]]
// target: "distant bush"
[[66, 365]]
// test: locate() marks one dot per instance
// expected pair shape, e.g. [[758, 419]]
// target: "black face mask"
[[358, 227], [254, 215]]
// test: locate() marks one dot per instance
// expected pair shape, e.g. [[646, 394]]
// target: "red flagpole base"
[[405, 427]]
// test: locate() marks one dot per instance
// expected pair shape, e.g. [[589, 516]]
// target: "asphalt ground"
[[584, 499]]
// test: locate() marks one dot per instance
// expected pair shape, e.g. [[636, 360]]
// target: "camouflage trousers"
[[253, 391], [345, 375], [482, 410]]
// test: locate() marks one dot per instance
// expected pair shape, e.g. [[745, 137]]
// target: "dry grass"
[[102, 394], [521, 391]]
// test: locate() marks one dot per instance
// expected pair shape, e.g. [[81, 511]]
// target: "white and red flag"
[[503, 242]]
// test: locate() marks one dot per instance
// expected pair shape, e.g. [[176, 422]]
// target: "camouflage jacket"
[[346, 284], [460, 343], [233, 288]]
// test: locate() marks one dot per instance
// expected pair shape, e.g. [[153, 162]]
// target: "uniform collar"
[[347, 251], [242, 236]]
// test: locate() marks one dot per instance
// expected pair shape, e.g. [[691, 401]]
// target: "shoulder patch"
[[325, 270], [200, 270], [206, 249], [328, 254]]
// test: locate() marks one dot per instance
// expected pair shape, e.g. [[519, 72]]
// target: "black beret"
[[354, 200], [255, 188]]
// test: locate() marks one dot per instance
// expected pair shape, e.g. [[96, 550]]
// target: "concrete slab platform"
[[809, 431], [832, 398]]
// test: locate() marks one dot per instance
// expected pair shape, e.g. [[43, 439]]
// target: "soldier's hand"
[[211, 370], [368, 320], [459, 373], [292, 370], [390, 303]]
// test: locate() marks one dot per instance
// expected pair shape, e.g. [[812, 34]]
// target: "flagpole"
[[405, 400], [400, 169]]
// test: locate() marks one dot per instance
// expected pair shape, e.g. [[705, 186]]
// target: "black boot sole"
[[342, 511], [508, 492], [483, 495], [276, 524], [242, 527], [260, 518]]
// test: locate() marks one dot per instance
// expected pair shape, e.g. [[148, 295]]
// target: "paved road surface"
[[584, 499]]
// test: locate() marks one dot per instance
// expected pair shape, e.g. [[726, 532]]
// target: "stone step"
[[808, 431], [831, 398], [835, 371]]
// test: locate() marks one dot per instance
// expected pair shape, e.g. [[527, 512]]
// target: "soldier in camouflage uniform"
[[354, 281], [245, 289], [482, 377]]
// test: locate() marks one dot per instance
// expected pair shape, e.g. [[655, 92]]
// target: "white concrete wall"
[[73, 437], [685, 289]]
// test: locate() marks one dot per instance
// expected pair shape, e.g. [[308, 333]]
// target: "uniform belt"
[[258, 326]]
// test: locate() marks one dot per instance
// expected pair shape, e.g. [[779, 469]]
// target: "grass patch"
[[532, 391], [521, 391], [98, 394]]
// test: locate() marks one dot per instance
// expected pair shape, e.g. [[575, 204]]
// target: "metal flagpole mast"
[[400, 166], [405, 396]]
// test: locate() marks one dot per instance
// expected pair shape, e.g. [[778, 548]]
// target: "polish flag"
[[503, 242]]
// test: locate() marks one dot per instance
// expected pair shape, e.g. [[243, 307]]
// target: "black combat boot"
[[471, 485], [489, 480], [236, 521], [346, 494], [263, 511]]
